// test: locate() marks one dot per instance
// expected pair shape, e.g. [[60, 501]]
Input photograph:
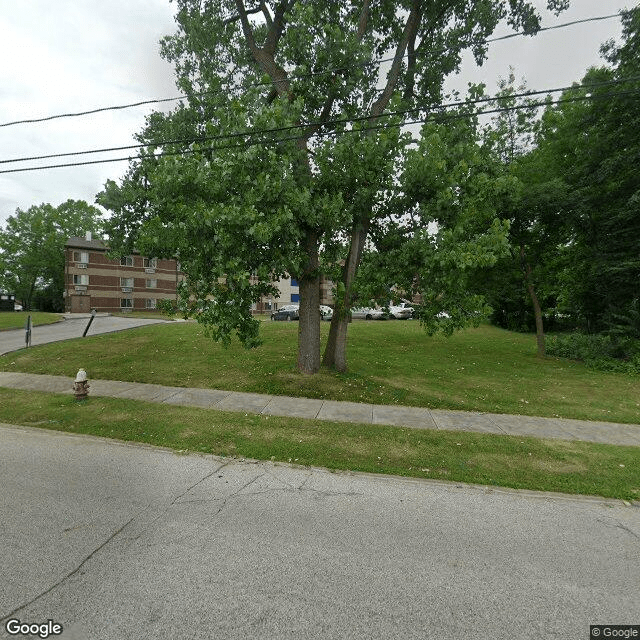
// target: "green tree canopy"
[[443, 226], [32, 249], [306, 85], [593, 146]]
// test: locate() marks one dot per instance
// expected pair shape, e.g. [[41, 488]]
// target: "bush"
[[597, 351]]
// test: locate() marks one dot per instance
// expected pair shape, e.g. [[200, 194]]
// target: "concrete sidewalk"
[[413, 417]]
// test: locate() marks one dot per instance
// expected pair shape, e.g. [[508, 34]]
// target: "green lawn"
[[151, 315], [511, 461], [18, 319], [484, 369]]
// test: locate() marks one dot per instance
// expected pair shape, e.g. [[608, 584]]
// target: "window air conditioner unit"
[[127, 289], [81, 265], [149, 270]]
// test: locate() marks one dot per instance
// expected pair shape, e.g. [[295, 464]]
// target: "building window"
[[126, 261], [151, 303], [82, 279], [152, 283], [126, 282], [295, 297], [126, 303], [81, 256], [150, 263], [294, 282]]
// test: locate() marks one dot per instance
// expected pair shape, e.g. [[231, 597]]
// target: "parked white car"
[[326, 313], [402, 311], [367, 313]]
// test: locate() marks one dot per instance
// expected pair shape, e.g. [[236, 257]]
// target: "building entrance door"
[[80, 304]]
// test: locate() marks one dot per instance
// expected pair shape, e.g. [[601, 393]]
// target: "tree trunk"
[[335, 354], [526, 268], [309, 323]]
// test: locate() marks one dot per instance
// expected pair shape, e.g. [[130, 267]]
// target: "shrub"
[[597, 351]]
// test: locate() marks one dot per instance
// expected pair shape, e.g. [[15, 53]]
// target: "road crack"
[[72, 573]]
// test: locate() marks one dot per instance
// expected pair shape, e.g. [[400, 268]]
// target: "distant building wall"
[[95, 281], [289, 293]]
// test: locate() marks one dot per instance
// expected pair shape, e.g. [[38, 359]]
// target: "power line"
[[558, 26], [270, 83], [254, 132], [438, 118]]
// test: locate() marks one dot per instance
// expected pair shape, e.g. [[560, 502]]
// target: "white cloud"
[[72, 55]]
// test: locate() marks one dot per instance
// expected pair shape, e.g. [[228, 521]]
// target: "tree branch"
[[246, 25], [266, 13], [363, 21], [261, 55], [411, 69], [239, 16], [328, 105], [410, 31], [277, 27]]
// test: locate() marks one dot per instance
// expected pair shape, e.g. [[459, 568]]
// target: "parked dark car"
[[286, 315]]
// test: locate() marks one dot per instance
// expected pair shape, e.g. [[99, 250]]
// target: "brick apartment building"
[[137, 283], [133, 283]]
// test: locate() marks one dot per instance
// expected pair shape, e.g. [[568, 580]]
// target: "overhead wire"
[[336, 121], [246, 144], [270, 83]]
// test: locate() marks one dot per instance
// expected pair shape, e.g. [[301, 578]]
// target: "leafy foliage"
[[592, 146], [445, 228], [32, 250], [598, 351], [303, 197], [575, 223]]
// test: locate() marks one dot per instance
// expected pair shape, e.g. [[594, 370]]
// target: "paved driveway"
[[67, 329], [118, 541]]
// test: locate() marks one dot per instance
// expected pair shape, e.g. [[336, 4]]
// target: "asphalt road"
[[68, 329], [117, 541]]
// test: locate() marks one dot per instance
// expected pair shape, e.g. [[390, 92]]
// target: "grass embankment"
[[518, 462], [484, 369], [18, 319]]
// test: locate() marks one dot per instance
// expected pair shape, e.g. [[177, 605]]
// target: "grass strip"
[[484, 369], [507, 461], [17, 319]]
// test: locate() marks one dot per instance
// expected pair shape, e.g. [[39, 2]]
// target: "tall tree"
[[536, 213], [32, 248], [302, 70], [591, 145]]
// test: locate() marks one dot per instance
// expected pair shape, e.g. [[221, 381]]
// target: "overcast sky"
[[75, 55]]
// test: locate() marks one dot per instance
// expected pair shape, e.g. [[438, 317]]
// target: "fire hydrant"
[[81, 385]]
